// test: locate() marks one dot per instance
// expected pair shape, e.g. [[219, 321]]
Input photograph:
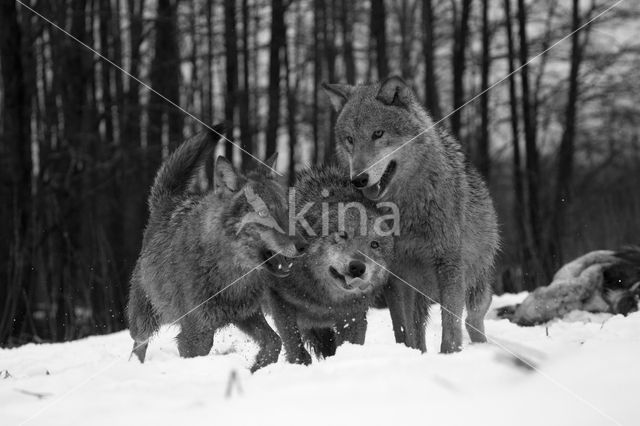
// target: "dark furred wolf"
[[195, 245], [324, 301], [448, 228]]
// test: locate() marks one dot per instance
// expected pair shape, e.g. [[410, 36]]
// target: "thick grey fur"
[[308, 307], [191, 251], [449, 232]]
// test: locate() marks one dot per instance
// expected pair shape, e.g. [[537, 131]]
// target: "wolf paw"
[[302, 357], [450, 347], [265, 358]]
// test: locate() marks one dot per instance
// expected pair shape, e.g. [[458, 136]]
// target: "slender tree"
[[15, 179], [431, 97], [519, 208], [278, 39], [165, 78], [531, 149], [330, 60], [461, 32], [231, 48], [318, 11], [379, 37], [246, 131], [346, 21], [291, 55], [194, 78], [106, 29], [566, 153], [131, 221], [210, 113], [406, 10], [484, 161]]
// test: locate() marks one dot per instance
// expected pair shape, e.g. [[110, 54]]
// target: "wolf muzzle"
[[374, 190]]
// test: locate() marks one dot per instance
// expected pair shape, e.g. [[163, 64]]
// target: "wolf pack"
[[401, 221]]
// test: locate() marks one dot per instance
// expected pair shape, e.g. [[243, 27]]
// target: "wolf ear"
[[394, 91], [225, 178], [271, 161], [270, 164], [338, 94]]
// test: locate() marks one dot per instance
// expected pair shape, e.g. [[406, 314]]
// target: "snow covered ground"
[[587, 373]]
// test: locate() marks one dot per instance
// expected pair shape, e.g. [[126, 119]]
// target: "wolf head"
[[374, 121], [348, 262], [350, 248], [255, 217]]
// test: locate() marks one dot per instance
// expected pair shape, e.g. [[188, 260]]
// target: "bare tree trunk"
[[347, 41], [461, 31], [165, 78], [231, 71], [519, 209], [565, 161], [278, 37], [194, 84], [406, 11], [246, 132], [330, 53], [210, 107], [107, 71], [484, 161], [132, 220], [532, 160], [292, 104], [109, 299], [15, 179], [379, 37], [318, 7], [431, 97]]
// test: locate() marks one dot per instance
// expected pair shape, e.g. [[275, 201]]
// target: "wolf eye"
[[349, 140], [375, 244], [377, 134], [339, 236]]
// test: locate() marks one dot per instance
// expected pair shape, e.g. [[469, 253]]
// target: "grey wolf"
[[196, 244], [324, 301], [449, 233]]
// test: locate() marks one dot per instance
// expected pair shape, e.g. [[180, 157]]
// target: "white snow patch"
[[587, 374]]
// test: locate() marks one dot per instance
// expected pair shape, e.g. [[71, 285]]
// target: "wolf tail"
[[176, 172]]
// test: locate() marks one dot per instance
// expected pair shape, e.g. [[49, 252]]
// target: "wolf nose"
[[301, 245], [356, 268], [361, 180]]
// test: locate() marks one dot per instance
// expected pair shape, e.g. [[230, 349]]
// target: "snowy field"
[[587, 373]]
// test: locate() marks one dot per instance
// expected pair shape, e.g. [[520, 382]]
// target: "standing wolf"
[[448, 230], [199, 253]]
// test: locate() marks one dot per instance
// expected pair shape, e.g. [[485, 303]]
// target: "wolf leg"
[[352, 329], [323, 341], [287, 324], [143, 320], [452, 299], [420, 319], [194, 338], [394, 296], [258, 329], [478, 301], [415, 319]]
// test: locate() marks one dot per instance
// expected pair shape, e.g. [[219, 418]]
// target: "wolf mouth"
[[347, 283], [277, 264], [376, 191]]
